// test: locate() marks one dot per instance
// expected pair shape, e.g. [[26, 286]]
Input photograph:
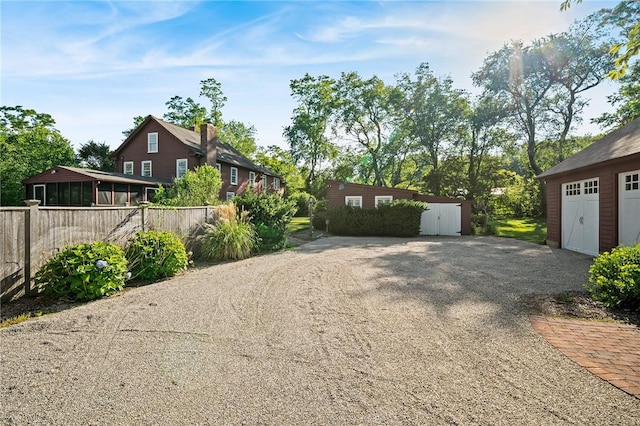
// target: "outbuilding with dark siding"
[[446, 216], [593, 197]]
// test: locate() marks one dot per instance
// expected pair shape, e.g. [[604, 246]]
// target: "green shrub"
[[228, 238], [271, 214], [615, 277], [153, 255], [398, 219], [302, 203], [84, 271]]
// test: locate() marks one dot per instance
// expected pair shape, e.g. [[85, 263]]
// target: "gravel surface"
[[337, 331]]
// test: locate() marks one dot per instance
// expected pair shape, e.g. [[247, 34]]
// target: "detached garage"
[[446, 216], [593, 197]]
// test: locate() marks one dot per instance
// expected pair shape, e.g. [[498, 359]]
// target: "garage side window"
[[383, 199], [591, 187], [353, 201], [631, 182]]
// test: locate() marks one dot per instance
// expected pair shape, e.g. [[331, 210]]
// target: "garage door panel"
[[441, 219], [580, 216], [629, 208]]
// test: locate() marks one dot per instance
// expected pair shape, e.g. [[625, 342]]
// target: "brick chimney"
[[208, 139]]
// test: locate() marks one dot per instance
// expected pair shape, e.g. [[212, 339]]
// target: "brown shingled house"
[[593, 197]]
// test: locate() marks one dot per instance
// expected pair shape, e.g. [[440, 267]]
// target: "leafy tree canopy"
[[96, 156]]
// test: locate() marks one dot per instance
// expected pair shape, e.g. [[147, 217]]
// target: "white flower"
[[127, 276], [101, 264]]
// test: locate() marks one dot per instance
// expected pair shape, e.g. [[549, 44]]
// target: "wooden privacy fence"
[[31, 235]]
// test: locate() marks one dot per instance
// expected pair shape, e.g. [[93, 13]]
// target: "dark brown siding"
[[608, 195], [163, 162]]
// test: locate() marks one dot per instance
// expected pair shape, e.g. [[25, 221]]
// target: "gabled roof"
[[105, 176], [621, 143], [225, 152]]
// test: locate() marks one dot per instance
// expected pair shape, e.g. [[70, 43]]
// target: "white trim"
[[384, 199], [142, 170], [185, 167], [152, 142], [276, 183], [233, 178], [219, 167], [44, 193], [230, 195], [252, 179], [353, 200], [146, 192], [124, 167], [264, 182]]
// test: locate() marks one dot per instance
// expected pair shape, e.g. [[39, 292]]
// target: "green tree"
[[434, 115], [136, 122], [307, 134], [96, 156], [625, 17], [198, 187], [29, 144], [240, 136], [185, 113], [281, 162], [365, 113], [627, 101], [211, 89]]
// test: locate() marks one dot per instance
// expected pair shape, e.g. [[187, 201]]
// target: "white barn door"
[[629, 208], [580, 216], [441, 219]]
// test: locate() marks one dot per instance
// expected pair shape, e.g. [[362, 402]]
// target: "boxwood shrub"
[[615, 278], [84, 271], [400, 218]]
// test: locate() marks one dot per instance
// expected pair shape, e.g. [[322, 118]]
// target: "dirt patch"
[[578, 305]]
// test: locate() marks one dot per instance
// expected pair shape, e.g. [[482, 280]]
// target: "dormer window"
[[152, 142]]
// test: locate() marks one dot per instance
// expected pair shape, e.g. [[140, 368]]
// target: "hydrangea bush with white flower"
[[84, 271]]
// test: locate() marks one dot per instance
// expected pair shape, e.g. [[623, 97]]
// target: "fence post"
[[31, 215]]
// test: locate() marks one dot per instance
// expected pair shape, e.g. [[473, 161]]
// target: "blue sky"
[[94, 65]]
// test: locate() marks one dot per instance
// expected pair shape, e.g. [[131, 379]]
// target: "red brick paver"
[[608, 350]]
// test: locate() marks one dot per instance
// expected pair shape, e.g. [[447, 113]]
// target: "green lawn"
[[532, 230], [298, 224]]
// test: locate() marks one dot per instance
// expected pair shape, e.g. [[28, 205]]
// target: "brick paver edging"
[[609, 350]]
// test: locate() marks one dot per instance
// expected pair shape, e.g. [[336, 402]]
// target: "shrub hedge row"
[[398, 219]]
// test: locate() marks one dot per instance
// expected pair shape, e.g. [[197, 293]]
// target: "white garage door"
[[629, 208], [580, 216], [441, 219]]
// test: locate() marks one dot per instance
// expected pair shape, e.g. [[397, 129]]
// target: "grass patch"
[[532, 230], [20, 318], [298, 224]]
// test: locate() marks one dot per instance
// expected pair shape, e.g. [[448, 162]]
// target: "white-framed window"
[[219, 167], [181, 167], [631, 182], [127, 167], [152, 142], [276, 183], [146, 168], [252, 179], [234, 176], [572, 189], [230, 195], [264, 182], [150, 194], [383, 199], [353, 200]]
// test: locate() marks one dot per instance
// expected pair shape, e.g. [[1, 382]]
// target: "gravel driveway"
[[338, 331]]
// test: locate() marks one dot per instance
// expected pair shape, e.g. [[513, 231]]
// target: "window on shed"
[[234, 176], [63, 194], [383, 199], [127, 167], [152, 142], [151, 194], [181, 167], [219, 167], [353, 201]]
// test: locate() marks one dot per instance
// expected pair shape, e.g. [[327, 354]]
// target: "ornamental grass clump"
[[615, 278], [84, 271], [231, 237], [153, 255]]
